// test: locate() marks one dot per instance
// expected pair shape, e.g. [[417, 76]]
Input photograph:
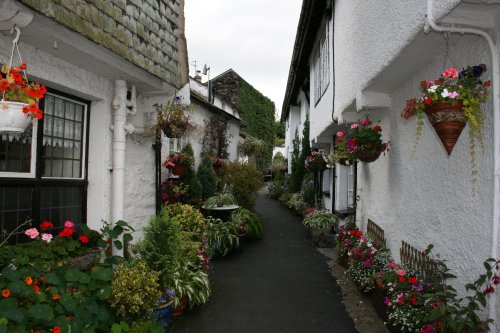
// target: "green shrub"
[[309, 193], [321, 219], [189, 219], [191, 283], [249, 220], [190, 178], [222, 236], [244, 180], [296, 203], [207, 177], [161, 247], [134, 291]]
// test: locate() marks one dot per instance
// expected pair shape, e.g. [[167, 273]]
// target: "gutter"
[[495, 59]]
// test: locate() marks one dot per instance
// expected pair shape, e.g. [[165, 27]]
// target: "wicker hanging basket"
[[448, 122]]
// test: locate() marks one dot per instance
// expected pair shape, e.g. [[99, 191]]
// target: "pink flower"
[[46, 237], [341, 133], [365, 122], [450, 73], [392, 265], [32, 233], [353, 126], [453, 95], [400, 272], [69, 224]]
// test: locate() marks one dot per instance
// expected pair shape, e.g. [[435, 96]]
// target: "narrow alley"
[[279, 283]]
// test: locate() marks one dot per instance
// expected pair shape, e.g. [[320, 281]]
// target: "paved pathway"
[[280, 283]]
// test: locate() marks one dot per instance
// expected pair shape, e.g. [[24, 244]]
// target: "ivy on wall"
[[258, 115]]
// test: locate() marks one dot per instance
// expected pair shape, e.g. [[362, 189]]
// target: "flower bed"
[[412, 303]]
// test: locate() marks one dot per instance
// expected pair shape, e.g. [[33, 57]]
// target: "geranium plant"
[[340, 153], [179, 159], [15, 87], [365, 143], [314, 161]]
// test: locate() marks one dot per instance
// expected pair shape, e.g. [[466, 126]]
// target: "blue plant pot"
[[163, 314]]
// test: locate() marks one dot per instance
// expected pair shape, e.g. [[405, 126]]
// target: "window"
[[345, 190], [321, 70], [43, 170], [176, 145]]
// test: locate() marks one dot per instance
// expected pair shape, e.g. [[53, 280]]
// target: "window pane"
[[62, 138], [61, 204], [15, 151], [15, 208]]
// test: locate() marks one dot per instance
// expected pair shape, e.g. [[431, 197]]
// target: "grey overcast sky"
[[253, 37]]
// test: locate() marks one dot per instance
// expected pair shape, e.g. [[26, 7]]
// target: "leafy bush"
[[320, 219], [191, 283], [207, 177], [161, 246], [250, 221], [275, 189], [309, 193], [284, 198], [244, 180], [297, 204], [190, 179], [189, 219], [134, 291], [222, 236]]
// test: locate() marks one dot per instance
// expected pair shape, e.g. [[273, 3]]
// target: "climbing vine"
[[258, 115], [215, 138]]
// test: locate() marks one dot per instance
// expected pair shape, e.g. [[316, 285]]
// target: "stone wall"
[[228, 85], [148, 33]]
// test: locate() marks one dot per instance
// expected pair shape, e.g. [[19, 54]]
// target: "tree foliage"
[[207, 177]]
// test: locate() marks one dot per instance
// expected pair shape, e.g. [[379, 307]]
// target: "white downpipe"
[[119, 140], [496, 141]]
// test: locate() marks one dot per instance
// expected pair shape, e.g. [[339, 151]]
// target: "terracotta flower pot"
[[12, 117], [448, 122]]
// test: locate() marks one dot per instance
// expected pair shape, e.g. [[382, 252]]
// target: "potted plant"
[[164, 307], [135, 291], [450, 102], [321, 222], [173, 118], [223, 198], [192, 287], [179, 163], [218, 164], [20, 98], [315, 162], [222, 237], [365, 143]]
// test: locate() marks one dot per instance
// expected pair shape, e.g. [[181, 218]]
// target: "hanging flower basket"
[[448, 121], [179, 170], [12, 117]]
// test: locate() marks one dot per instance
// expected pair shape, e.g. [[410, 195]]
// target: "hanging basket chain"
[[446, 36], [15, 47]]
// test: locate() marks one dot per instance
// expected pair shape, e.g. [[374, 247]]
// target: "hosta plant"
[[222, 236], [321, 219]]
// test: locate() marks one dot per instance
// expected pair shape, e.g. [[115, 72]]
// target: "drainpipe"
[[119, 140], [496, 141]]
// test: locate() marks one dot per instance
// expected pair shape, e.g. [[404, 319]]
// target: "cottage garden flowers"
[[417, 302]]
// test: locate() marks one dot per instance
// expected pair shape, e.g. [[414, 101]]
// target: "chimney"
[[197, 76]]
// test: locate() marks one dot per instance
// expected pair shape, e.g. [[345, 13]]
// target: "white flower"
[[432, 88], [445, 93]]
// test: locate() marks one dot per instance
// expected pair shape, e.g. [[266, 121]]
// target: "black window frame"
[[38, 182]]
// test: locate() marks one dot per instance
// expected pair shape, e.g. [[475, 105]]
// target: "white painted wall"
[[140, 176], [426, 198], [368, 35]]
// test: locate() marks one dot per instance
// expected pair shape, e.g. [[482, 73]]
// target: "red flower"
[[28, 280], [487, 83], [6, 293], [56, 296], [66, 232], [413, 299], [36, 288], [377, 128], [56, 329], [358, 233], [401, 300], [402, 279], [412, 280], [46, 225], [489, 290], [69, 317], [428, 101], [84, 239]]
